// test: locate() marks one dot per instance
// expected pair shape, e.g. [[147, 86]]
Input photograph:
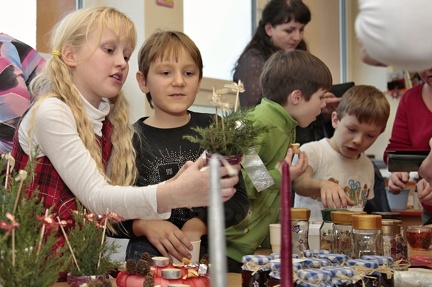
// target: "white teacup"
[[275, 237], [195, 252]]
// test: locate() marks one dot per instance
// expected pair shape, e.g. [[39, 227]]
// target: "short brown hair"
[[367, 103], [285, 72], [165, 44]]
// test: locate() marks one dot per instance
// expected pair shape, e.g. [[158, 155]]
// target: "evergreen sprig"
[[29, 268], [85, 239], [233, 134]]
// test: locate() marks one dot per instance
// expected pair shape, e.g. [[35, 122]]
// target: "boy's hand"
[[333, 196], [168, 239], [396, 182], [194, 228], [299, 167]]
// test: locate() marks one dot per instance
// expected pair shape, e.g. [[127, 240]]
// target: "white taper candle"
[[216, 226]]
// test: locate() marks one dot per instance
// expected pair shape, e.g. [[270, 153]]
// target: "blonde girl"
[[78, 130]]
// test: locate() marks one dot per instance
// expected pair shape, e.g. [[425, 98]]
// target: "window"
[[18, 22], [221, 29]]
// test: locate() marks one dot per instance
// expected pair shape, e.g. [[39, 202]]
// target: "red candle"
[[286, 240]]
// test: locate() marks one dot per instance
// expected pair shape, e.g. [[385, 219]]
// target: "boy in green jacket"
[[293, 85]]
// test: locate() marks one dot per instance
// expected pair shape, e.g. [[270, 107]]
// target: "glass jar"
[[389, 215], [342, 231], [300, 229], [383, 275], [394, 244], [366, 236], [326, 230], [255, 270]]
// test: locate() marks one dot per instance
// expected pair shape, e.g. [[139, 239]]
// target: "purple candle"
[[286, 240]]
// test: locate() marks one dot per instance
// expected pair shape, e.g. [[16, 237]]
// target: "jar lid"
[[366, 221], [300, 213], [315, 276], [382, 260], [344, 217], [373, 264], [314, 252], [388, 215], [326, 213], [258, 259], [391, 226]]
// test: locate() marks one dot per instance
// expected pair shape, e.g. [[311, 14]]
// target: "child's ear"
[[141, 82], [334, 119], [68, 56], [295, 97]]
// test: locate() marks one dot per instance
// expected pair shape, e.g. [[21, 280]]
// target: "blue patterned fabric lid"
[[314, 252], [373, 264], [315, 262], [256, 263], [314, 275], [275, 275], [258, 259], [339, 271], [275, 265], [334, 258], [382, 260], [275, 255]]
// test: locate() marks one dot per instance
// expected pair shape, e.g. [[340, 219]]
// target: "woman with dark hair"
[[281, 28]]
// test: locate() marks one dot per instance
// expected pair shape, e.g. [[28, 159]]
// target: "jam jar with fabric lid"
[[362, 267], [342, 276], [366, 235], [300, 229], [255, 270], [274, 276], [342, 231], [394, 244], [383, 275], [313, 277]]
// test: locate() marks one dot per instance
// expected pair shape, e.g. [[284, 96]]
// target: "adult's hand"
[[425, 170], [332, 103], [424, 192], [396, 182]]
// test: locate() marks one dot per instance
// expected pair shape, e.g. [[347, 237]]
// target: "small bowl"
[[419, 237], [160, 261], [171, 273]]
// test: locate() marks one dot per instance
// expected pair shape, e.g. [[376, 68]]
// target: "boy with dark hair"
[[293, 85]]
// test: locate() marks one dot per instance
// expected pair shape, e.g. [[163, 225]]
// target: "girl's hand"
[[191, 188]]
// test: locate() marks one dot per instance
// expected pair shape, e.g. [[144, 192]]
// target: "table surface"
[[234, 279]]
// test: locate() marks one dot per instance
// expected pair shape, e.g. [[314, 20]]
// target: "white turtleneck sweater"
[[56, 135]]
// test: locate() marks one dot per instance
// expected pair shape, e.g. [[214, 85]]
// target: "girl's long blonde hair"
[[56, 81]]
